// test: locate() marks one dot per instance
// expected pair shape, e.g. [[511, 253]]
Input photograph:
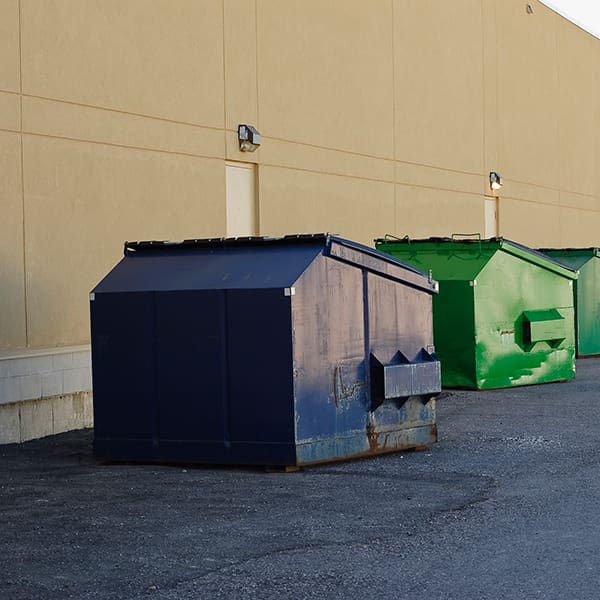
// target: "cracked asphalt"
[[506, 505]]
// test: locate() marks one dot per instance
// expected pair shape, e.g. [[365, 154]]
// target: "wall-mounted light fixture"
[[248, 137], [529, 9], [496, 181]]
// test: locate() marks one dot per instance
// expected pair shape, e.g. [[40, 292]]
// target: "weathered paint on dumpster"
[[365, 316], [285, 351], [504, 315]]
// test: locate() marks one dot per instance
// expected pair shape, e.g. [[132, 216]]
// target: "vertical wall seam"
[[497, 154], [558, 145], [484, 94], [224, 78], [257, 228], [484, 121], [224, 113], [258, 224], [394, 114], [256, 59], [23, 223]]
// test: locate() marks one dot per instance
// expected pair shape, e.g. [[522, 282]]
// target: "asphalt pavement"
[[506, 505]]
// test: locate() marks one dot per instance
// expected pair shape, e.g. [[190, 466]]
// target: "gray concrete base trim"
[[32, 419]]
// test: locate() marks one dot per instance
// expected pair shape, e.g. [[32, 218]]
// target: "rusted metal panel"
[[365, 323]]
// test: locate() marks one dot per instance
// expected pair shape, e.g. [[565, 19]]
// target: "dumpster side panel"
[[336, 308], [123, 380], [190, 369], [587, 295], [454, 333], [198, 376], [329, 363], [587, 289], [515, 299], [259, 358], [400, 320], [225, 377]]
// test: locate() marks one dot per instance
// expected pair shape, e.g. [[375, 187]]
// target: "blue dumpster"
[[270, 351]]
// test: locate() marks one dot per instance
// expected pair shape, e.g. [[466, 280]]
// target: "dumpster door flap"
[[402, 378], [543, 326]]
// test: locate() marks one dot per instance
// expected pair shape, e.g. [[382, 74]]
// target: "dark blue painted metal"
[[189, 368], [234, 266], [259, 351], [260, 373], [123, 363]]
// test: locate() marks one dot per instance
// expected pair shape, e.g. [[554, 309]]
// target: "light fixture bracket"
[[496, 180], [248, 137]]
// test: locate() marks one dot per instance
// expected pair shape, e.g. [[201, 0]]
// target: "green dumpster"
[[587, 294], [504, 315]]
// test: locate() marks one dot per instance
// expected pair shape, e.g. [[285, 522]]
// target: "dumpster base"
[[363, 445], [195, 452], [267, 454]]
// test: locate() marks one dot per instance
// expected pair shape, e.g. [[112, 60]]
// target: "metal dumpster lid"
[[381, 263], [222, 242], [591, 251], [333, 246], [574, 258], [515, 248], [538, 258]]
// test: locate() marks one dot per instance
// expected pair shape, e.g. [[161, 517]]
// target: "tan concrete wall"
[[116, 119], [12, 286], [127, 194], [159, 58], [541, 125], [121, 137], [438, 66], [10, 66]]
